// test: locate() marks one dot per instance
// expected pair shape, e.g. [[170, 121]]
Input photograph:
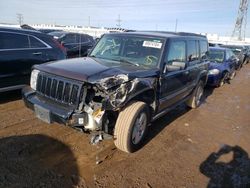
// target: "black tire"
[[232, 75], [223, 79], [245, 62], [196, 98], [124, 137]]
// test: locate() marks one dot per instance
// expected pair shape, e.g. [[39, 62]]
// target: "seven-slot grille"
[[59, 89]]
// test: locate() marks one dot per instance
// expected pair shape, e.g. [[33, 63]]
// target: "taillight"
[[59, 45]]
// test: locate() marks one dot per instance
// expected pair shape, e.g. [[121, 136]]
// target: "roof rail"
[[176, 33]]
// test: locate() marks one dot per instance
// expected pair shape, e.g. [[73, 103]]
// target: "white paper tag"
[[152, 44], [80, 121]]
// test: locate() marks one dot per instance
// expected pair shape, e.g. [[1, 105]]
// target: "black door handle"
[[37, 53]]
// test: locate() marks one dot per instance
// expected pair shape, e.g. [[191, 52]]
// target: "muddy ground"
[[208, 146]]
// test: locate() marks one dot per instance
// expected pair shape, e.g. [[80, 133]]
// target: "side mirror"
[[174, 66]]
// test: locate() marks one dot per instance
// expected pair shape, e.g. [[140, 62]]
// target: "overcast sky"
[[209, 16]]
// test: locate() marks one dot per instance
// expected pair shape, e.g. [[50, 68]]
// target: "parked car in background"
[[128, 80], [214, 44], [76, 44], [20, 49], [48, 30], [222, 66], [241, 52]]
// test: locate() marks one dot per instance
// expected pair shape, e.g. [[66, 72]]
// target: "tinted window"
[[84, 38], [204, 49], [216, 55], [228, 54], [177, 52], [129, 50], [13, 41], [71, 38], [193, 52], [34, 43]]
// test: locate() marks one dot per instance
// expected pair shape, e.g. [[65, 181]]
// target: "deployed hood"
[[93, 70]]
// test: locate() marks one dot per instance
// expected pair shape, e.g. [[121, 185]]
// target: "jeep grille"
[[59, 89]]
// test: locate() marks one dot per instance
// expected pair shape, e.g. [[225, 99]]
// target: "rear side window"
[[13, 41], [193, 50], [204, 49], [84, 38], [35, 43], [70, 38]]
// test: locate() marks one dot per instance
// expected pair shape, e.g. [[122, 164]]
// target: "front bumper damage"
[[99, 103], [50, 111]]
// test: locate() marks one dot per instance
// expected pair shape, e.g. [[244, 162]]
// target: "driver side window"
[[176, 58]]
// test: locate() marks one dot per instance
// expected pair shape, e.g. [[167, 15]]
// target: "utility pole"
[[19, 18], [118, 21], [241, 21], [176, 24]]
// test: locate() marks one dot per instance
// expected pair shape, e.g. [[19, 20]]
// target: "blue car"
[[222, 66]]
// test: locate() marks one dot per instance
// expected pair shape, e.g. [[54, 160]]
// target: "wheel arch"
[[148, 96]]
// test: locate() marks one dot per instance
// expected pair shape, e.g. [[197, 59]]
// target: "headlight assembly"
[[213, 72], [33, 79]]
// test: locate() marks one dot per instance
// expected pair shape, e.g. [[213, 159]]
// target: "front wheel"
[[224, 78], [131, 127], [232, 75]]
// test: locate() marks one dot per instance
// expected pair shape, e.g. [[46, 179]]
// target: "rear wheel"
[[245, 62], [131, 127], [196, 99]]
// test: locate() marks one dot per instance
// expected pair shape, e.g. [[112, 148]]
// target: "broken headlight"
[[120, 94]]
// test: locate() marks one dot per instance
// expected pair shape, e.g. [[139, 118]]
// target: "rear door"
[[194, 61], [173, 82], [38, 51], [14, 57], [18, 53], [231, 59]]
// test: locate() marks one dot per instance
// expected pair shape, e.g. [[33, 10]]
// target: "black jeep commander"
[[127, 81]]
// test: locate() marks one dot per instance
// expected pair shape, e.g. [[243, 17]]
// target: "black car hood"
[[93, 70]]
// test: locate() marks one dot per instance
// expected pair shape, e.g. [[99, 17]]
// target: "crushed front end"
[[88, 106]]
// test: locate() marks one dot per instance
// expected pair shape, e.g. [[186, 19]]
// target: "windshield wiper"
[[128, 62]]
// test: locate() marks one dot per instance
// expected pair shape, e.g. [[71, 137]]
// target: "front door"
[[173, 82]]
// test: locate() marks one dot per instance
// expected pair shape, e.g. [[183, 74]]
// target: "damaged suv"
[[127, 81]]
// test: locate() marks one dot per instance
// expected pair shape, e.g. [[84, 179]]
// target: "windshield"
[[216, 55], [131, 50], [236, 49]]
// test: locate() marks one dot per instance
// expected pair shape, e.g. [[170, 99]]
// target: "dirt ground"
[[208, 146]]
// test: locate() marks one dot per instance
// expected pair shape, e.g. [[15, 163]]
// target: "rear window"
[[35, 43], [13, 41]]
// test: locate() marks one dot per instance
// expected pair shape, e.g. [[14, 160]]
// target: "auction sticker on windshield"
[[152, 44]]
